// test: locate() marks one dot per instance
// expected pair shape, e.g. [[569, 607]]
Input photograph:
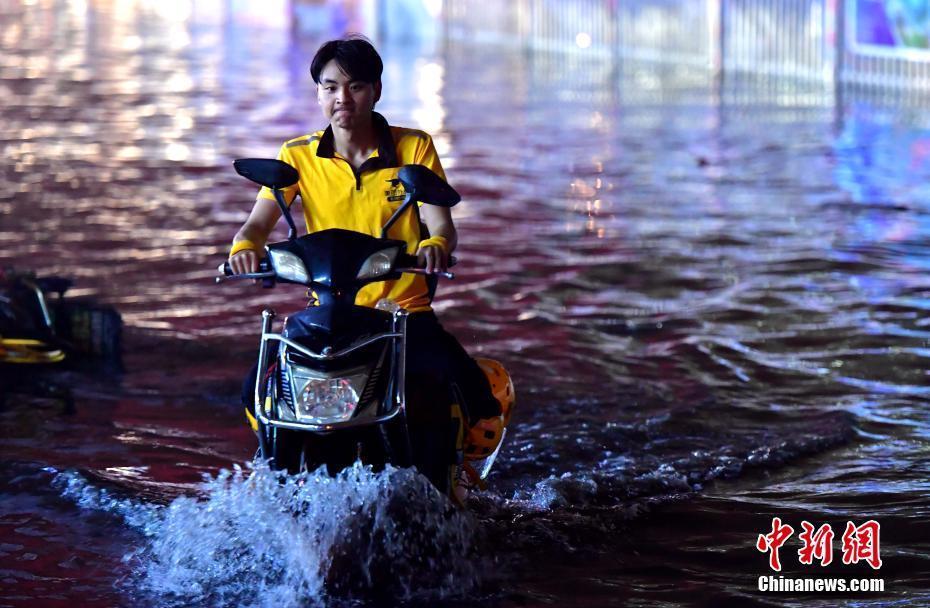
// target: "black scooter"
[[330, 387]]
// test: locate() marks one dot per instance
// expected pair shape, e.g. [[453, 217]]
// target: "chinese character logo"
[[861, 543], [773, 541], [817, 545]]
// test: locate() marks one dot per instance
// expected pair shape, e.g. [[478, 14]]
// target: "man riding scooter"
[[348, 180]]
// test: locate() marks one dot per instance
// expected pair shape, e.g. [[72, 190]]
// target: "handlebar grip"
[[409, 263], [265, 274], [405, 260], [226, 269]]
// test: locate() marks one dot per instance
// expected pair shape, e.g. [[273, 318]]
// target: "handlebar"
[[226, 273], [446, 274], [408, 263]]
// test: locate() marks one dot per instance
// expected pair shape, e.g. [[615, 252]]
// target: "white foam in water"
[[572, 490], [558, 492], [260, 538]]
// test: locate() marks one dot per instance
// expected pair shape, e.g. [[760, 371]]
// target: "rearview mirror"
[[274, 174], [427, 187]]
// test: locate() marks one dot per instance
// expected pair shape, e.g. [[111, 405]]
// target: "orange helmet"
[[484, 437]]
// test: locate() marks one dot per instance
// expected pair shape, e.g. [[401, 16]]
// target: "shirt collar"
[[387, 152]]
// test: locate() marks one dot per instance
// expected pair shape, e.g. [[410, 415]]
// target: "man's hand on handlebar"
[[244, 262], [432, 259]]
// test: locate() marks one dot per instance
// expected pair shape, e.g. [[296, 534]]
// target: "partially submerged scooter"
[[331, 387], [41, 330]]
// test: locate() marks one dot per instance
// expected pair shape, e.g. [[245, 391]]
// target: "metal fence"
[[798, 39], [779, 37]]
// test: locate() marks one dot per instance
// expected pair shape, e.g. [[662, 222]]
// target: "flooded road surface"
[[713, 301]]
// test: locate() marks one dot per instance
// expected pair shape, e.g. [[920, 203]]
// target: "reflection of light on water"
[[70, 60], [264, 13], [444, 149], [430, 115], [179, 83], [183, 120], [178, 38], [77, 8], [126, 85], [129, 153], [433, 7], [12, 35], [132, 43], [169, 10], [177, 152], [128, 473], [129, 437]]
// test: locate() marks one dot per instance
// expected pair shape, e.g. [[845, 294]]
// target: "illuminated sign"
[[889, 28]]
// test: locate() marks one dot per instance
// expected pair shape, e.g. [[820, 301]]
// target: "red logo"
[[860, 543], [817, 544], [773, 541]]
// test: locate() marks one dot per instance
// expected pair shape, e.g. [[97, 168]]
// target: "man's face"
[[346, 103]]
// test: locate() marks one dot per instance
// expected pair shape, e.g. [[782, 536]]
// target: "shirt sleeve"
[[291, 191], [427, 156]]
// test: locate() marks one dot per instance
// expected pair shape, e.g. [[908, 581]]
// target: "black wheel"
[[90, 329]]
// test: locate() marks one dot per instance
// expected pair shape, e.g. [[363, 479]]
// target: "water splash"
[[256, 537], [139, 515]]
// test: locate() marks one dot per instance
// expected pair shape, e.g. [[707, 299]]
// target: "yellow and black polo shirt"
[[336, 196]]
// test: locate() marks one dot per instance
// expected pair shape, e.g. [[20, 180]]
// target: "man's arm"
[[255, 230], [439, 222]]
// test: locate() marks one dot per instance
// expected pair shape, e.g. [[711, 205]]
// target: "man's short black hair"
[[354, 54]]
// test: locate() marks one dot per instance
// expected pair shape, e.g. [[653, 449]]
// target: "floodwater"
[[713, 298]]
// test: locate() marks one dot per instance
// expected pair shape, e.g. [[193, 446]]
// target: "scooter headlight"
[[325, 400], [288, 266], [379, 263]]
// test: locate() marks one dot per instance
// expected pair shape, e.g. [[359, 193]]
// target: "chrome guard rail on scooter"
[[326, 356], [400, 323]]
